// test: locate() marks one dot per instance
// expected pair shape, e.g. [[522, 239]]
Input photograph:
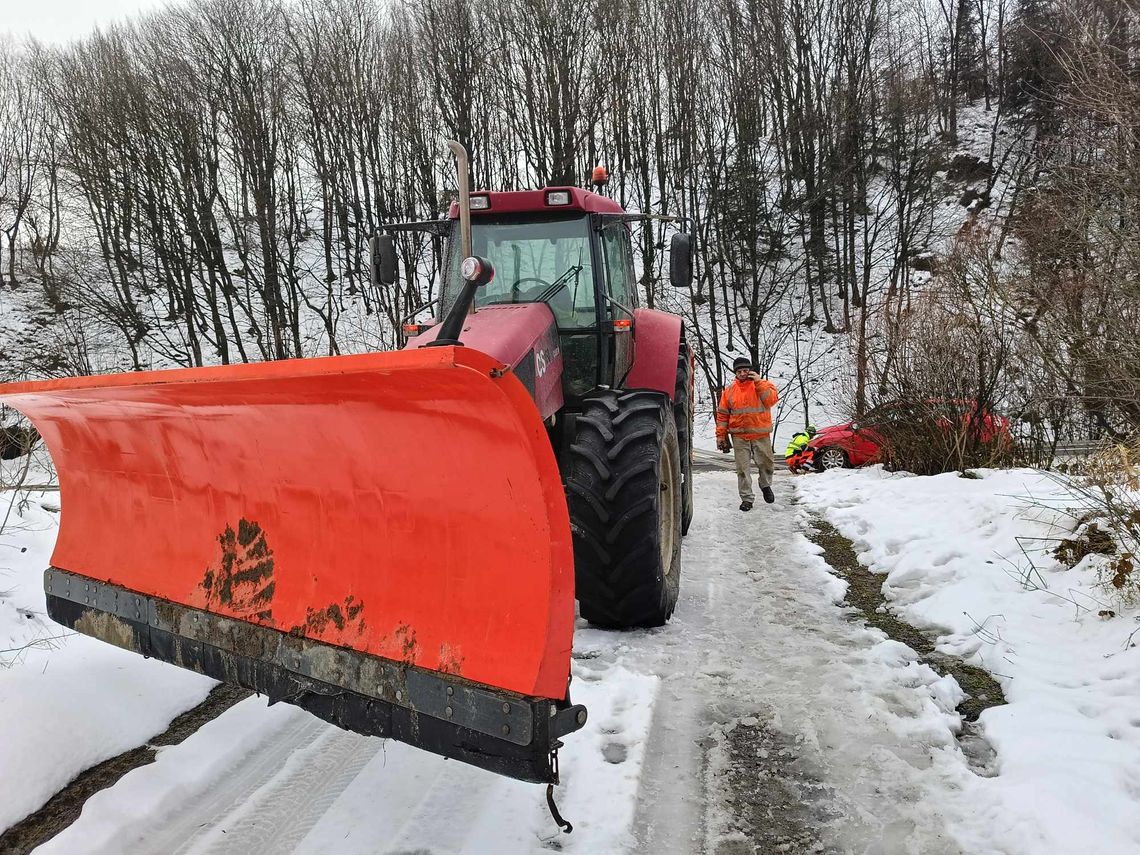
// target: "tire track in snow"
[[758, 638], [457, 795], [205, 814], [276, 816], [259, 780]]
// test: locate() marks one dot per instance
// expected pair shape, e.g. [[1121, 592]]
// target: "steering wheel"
[[540, 286]]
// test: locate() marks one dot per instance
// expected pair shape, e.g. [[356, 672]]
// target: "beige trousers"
[[758, 451]]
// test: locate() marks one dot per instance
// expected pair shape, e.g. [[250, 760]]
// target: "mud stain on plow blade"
[[381, 539]]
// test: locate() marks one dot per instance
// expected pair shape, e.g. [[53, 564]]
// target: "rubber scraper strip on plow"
[[381, 539]]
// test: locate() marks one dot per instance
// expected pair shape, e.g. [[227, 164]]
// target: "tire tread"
[[622, 440]]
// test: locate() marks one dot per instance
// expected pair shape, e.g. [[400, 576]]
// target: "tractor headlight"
[[480, 203], [558, 197]]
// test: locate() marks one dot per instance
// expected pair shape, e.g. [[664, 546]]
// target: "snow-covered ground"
[[868, 760], [1068, 740]]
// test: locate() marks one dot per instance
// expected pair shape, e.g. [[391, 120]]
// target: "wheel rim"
[[666, 518], [832, 459]]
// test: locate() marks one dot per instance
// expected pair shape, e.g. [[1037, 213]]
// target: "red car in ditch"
[[861, 442]]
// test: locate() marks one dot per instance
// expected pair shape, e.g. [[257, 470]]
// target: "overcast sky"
[[58, 21]]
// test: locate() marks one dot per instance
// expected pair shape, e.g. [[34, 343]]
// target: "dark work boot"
[[769, 496], [745, 506]]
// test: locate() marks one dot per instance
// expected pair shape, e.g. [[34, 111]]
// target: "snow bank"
[[951, 549], [67, 701], [281, 780]]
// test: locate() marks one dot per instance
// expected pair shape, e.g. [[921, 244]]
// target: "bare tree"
[[21, 138]]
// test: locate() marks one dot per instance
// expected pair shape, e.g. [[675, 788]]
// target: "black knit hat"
[[741, 362]]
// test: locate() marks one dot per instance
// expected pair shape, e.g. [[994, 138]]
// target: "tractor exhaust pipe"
[[475, 271], [464, 195]]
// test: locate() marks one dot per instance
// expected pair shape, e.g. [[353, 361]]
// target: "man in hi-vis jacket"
[[745, 415]]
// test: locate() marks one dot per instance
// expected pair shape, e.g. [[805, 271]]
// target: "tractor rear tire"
[[683, 415], [624, 490]]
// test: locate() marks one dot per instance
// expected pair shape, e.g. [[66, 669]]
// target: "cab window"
[[619, 267], [548, 261]]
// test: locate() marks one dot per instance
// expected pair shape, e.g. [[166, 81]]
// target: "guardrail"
[[1083, 448]]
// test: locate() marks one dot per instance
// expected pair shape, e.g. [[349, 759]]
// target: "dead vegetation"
[[1092, 541], [1109, 494], [18, 448], [954, 368]]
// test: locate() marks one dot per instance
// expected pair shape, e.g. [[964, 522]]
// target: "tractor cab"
[[562, 246]]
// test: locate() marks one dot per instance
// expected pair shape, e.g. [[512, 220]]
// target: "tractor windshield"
[[537, 261]]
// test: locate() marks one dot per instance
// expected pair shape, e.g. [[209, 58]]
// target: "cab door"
[[621, 289]]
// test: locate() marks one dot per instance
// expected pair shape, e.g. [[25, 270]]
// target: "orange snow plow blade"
[[382, 539]]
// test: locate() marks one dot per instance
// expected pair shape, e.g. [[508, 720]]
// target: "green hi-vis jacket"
[[799, 443]]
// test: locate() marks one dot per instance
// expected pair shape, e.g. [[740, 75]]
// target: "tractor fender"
[[656, 342]]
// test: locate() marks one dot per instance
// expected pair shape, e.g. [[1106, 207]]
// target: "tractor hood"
[[524, 336]]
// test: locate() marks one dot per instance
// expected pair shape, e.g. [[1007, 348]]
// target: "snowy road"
[[853, 753], [760, 636]]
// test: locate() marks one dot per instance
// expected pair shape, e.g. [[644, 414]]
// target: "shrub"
[[1109, 494]]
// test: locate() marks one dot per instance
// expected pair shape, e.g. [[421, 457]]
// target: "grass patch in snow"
[[865, 593], [65, 806]]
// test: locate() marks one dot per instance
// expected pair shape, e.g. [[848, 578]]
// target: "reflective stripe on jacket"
[[745, 410]]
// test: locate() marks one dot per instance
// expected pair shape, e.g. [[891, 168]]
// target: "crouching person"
[[797, 456], [745, 415]]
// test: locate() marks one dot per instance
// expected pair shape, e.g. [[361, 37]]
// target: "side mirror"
[[681, 260], [382, 249]]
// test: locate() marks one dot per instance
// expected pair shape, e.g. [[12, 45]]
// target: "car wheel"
[[832, 458]]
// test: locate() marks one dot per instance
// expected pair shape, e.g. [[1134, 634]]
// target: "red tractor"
[[555, 298], [394, 541]]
